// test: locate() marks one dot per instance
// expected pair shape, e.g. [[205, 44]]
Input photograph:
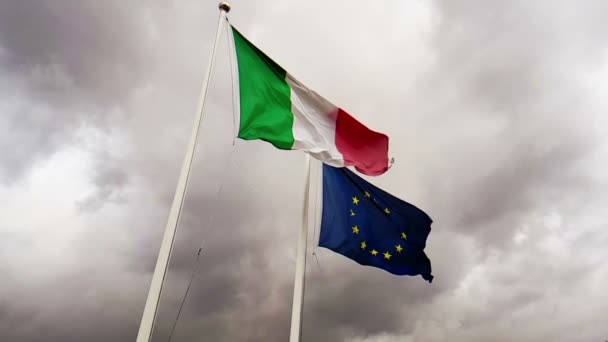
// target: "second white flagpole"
[[146, 326], [298, 288]]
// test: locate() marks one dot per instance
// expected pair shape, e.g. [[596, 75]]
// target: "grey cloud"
[[488, 125], [64, 66], [97, 48], [108, 182], [505, 85]]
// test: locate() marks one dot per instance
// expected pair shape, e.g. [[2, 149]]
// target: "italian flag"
[[276, 108]]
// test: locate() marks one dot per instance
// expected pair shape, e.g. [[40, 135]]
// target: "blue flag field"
[[373, 227]]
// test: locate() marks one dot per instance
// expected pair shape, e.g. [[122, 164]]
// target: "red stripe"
[[361, 147]]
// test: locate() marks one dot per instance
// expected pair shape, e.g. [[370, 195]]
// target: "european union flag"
[[372, 227]]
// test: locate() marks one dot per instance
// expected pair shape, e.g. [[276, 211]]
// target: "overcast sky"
[[496, 111]]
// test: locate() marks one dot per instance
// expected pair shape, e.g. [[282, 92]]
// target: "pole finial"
[[224, 6]]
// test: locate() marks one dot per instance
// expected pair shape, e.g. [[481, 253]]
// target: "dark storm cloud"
[[505, 82], [99, 46], [496, 123], [65, 65]]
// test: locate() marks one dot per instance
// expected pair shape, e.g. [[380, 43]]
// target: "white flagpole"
[[298, 288], [146, 326]]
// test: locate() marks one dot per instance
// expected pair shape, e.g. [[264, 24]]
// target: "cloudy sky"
[[496, 112]]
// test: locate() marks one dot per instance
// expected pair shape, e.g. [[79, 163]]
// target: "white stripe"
[[314, 124]]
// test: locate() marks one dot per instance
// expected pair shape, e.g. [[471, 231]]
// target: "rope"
[[181, 306], [196, 263], [318, 263], [217, 195]]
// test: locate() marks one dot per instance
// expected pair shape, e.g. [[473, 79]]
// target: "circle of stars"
[[356, 230]]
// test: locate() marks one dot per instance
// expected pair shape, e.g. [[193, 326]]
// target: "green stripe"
[[265, 97]]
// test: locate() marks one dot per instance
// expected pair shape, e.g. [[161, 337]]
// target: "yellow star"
[[404, 236], [355, 200], [387, 211], [399, 248], [387, 256], [368, 195], [374, 252], [363, 245], [355, 230], [352, 213]]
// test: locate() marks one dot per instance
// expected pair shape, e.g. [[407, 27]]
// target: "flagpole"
[[146, 326], [298, 288]]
